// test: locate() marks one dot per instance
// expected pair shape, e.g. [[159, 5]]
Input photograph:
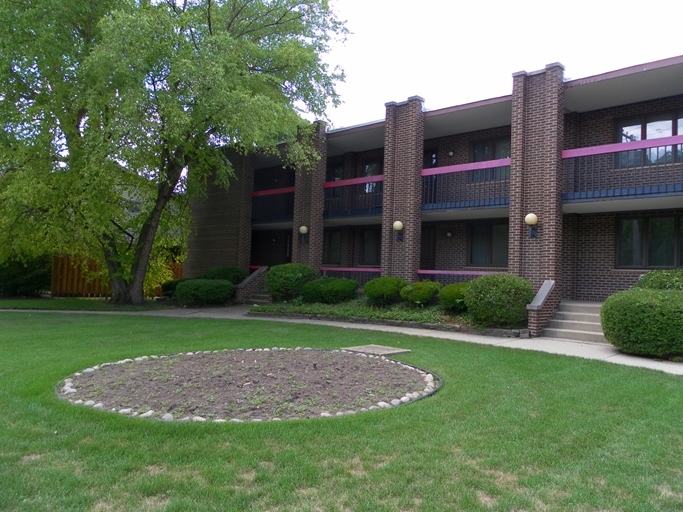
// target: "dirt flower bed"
[[252, 384]]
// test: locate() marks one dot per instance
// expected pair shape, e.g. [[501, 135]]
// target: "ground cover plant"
[[509, 430]]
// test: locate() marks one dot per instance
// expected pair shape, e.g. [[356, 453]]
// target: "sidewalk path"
[[598, 351]]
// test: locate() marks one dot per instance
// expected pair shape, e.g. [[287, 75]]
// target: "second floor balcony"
[[275, 205], [473, 185], [641, 169], [354, 197]]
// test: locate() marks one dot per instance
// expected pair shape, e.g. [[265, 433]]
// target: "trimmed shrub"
[[168, 288], [383, 290], [644, 322], [452, 297], [233, 274], [498, 300], [420, 293], [204, 292], [31, 277], [286, 282], [661, 280], [330, 290]]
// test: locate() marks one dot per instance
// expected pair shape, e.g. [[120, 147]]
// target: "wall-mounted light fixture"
[[398, 227], [451, 153], [449, 234], [531, 220], [303, 235]]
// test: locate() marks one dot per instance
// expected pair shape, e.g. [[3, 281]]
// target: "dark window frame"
[[490, 245], [645, 245], [327, 241], [361, 254], [638, 157]]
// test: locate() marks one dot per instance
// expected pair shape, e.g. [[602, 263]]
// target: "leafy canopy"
[[114, 112]]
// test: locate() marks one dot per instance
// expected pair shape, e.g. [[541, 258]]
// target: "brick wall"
[[461, 145], [404, 137], [221, 232]]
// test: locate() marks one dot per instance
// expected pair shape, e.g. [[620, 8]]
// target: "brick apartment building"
[[443, 194]]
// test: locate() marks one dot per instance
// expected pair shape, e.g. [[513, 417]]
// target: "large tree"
[[114, 112]]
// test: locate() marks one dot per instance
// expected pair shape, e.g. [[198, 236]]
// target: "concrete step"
[[577, 317], [580, 307], [260, 299], [572, 334], [574, 325]]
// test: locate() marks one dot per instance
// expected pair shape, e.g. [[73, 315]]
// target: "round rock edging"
[[432, 384]]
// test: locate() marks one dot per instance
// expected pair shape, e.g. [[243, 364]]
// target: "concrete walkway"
[[586, 350]]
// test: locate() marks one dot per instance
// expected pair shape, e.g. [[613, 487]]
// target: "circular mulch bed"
[[248, 385]]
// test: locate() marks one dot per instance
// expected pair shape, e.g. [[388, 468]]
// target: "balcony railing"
[[632, 169], [478, 184], [450, 276], [362, 275], [354, 197], [275, 205]]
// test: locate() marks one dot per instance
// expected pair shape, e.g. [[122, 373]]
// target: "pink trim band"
[[474, 166], [622, 146], [273, 192], [352, 269], [354, 181], [455, 272]]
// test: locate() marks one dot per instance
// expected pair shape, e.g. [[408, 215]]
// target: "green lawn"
[[78, 304], [509, 430]]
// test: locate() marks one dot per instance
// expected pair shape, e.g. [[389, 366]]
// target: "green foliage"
[[31, 277], [644, 322], [420, 293], [384, 290], [452, 297], [286, 282], [330, 290], [105, 108], [233, 274], [168, 288], [498, 300], [662, 280], [204, 292]]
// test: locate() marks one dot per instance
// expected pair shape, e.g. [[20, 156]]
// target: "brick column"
[[402, 201], [536, 181], [309, 205]]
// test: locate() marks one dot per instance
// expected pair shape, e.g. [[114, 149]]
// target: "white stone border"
[[432, 385]]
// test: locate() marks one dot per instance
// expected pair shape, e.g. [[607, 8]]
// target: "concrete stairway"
[[262, 297], [576, 320]]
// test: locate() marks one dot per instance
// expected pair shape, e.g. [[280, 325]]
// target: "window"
[[493, 149], [429, 158], [371, 167], [334, 172], [332, 247], [650, 242], [489, 245], [647, 128], [371, 246]]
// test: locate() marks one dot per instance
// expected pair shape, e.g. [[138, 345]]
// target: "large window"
[[372, 167], [489, 245], [492, 149], [332, 247], [371, 246], [650, 127], [650, 242]]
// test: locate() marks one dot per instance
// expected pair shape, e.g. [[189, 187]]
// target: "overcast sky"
[[452, 52]]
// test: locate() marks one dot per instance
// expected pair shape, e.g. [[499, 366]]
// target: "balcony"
[[474, 185], [274, 205], [642, 169], [354, 197]]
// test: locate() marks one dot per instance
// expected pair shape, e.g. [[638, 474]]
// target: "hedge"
[[644, 322], [233, 274], [30, 277], [498, 300], [452, 297], [204, 292], [330, 290], [384, 290], [661, 280], [286, 282], [420, 293]]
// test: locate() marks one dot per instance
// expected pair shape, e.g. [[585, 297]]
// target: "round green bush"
[[661, 280], [30, 277], [644, 322], [233, 274], [168, 288], [204, 292], [452, 297], [498, 300], [383, 290], [286, 282], [330, 290], [420, 293]]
